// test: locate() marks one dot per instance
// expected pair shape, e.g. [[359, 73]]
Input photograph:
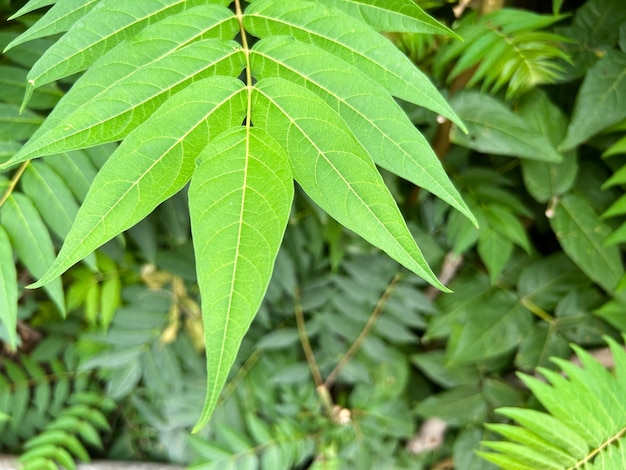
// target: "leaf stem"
[[246, 50], [365, 332], [304, 339], [16, 177], [320, 386], [535, 309]]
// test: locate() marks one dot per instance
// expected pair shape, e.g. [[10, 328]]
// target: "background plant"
[[543, 270]]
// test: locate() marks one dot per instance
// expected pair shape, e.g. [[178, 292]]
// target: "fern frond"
[[585, 422], [508, 48], [63, 440]]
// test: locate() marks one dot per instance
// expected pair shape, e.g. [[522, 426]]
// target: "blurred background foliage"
[[352, 362]]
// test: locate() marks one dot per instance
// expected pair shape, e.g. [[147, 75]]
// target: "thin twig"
[[304, 339], [320, 387], [16, 177], [365, 332], [451, 265]]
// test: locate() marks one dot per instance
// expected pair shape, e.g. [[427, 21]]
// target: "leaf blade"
[[376, 120], [335, 170], [162, 156], [372, 53], [8, 289], [581, 234], [240, 198]]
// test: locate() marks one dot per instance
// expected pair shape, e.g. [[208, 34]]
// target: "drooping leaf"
[[581, 233], [31, 240], [8, 289], [334, 170], [546, 180], [494, 128], [51, 196], [377, 122], [148, 167], [599, 101], [240, 199]]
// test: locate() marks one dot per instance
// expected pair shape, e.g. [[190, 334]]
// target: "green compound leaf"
[[335, 171], [152, 164], [239, 201], [317, 107], [584, 423]]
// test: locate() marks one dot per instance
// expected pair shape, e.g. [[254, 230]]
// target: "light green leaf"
[[612, 312], [105, 26], [57, 19], [154, 162], [548, 428], [75, 167], [391, 15], [31, 241], [113, 97], [526, 437], [51, 197], [492, 328], [545, 180], [375, 119], [8, 289], [15, 125], [239, 200], [31, 6], [581, 233], [373, 54], [334, 170], [600, 101], [495, 129]]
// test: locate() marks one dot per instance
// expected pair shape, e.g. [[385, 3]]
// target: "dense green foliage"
[[172, 133]]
